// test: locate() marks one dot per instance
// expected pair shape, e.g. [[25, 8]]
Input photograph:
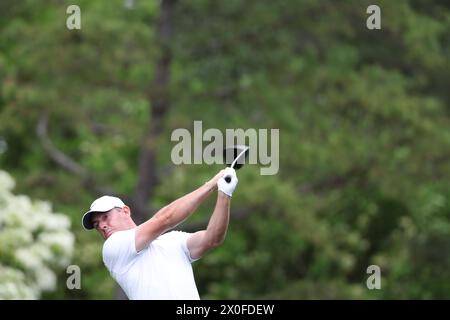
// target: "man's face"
[[106, 223]]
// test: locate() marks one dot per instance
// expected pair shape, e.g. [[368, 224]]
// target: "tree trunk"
[[158, 95], [159, 105]]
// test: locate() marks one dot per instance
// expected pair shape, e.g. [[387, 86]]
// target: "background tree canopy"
[[364, 134]]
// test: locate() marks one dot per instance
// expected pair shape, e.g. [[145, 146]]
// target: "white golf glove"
[[228, 187]]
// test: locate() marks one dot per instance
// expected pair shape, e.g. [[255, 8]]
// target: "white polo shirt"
[[160, 271]]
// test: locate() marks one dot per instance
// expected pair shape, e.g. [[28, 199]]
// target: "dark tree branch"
[[56, 155], [65, 162]]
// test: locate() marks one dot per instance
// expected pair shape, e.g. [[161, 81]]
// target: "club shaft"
[[240, 154]]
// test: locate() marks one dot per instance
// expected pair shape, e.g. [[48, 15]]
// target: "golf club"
[[239, 150]]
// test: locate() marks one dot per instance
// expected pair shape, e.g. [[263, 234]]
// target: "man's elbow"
[[215, 242]]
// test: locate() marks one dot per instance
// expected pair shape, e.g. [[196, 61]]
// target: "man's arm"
[[173, 214], [214, 235]]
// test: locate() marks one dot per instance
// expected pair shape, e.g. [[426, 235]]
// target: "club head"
[[232, 152]]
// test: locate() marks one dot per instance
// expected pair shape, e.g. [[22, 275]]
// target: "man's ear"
[[127, 210]]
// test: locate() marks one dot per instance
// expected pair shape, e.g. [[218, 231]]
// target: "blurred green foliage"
[[364, 134]]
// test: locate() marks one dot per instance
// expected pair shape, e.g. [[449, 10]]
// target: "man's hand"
[[228, 187], [213, 181]]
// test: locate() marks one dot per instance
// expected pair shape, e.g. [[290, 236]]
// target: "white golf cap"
[[102, 204]]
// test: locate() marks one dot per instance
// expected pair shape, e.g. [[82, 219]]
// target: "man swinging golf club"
[[149, 263]]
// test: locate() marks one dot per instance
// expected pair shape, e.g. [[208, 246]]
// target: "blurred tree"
[[363, 118]]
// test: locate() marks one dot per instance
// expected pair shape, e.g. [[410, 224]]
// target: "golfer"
[[149, 263]]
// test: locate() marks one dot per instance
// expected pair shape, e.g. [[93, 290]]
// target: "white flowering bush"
[[34, 243]]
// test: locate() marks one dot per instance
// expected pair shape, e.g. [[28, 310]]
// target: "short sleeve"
[[119, 251], [181, 238]]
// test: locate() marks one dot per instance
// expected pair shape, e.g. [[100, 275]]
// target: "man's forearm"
[[180, 209], [218, 223]]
